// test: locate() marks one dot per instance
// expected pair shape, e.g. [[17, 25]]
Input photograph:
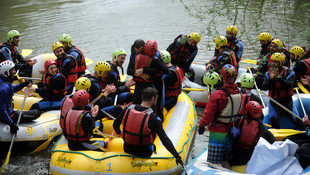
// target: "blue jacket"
[[6, 96]]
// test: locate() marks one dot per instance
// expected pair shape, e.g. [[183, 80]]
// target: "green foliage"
[[287, 20]]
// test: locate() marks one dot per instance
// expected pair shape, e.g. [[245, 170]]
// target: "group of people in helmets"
[[157, 76], [233, 114]]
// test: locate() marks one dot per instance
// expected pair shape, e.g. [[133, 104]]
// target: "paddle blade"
[[249, 61], [193, 89], [88, 61], [26, 52], [43, 146], [6, 162]]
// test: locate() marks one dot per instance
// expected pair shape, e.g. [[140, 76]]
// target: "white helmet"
[[6, 66]]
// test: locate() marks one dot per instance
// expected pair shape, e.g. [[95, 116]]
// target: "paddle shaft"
[[108, 115], [115, 100], [30, 78], [302, 106], [275, 101], [260, 96], [13, 137]]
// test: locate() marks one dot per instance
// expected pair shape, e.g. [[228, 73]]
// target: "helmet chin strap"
[[120, 67]]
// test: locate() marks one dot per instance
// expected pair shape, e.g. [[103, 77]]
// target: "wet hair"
[[138, 43], [148, 93]]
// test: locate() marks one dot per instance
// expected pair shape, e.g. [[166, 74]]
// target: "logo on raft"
[[139, 164], [64, 160]]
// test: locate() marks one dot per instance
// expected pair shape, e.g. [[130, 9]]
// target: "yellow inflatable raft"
[[179, 124]]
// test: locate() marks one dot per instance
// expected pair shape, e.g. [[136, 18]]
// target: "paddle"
[[26, 52], [13, 137], [249, 61], [108, 115], [184, 168], [273, 100], [302, 106], [249, 68], [285, 131], [115, 100], [100, 147], [98, 132], [46, 143], [88, 61], [193, 89]]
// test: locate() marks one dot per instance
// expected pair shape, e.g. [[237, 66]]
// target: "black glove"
[[26, 83], [13, 128], [179, 161], [201, 130]]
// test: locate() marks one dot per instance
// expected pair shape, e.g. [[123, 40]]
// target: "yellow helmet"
[[101, 67], [278, 57], [220, 41], [298, 52], [265, 36], [82, 83], [278, 43], [56, 45], [195, 36], [232, 29]]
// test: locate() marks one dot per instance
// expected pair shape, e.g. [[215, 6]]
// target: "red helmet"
[[229, 73], [150, 47], [80, 98], [48, 63], [254, 109]]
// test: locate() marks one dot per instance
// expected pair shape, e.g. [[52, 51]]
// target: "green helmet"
[[247, 81], [66, 38], [211, 79], [118, 52], [12, 34], [165, 56]]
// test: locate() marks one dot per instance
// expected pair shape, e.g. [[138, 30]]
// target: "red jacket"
[[216, 104]]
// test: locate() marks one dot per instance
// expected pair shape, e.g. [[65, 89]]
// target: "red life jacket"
[[232, 58], [47, 78], [13, 50], [73, 75], [65, 106], [276, 91], [73, 125], [81, 62], [176, 89], [135, 127], [182, 51], [142, 61], [307, 63], [233, 47], [250, 132]]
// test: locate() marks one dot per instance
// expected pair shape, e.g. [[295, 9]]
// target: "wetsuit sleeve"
[[3, 104], [131, 66], [267, 82], [157, 67], [117, 123], [221, 61], [88, 123], [172, 46], [211, 109], [18, 87], [288, 82], [74, 54], [58, 84], [155, 125], [68, 64], [190, 59]]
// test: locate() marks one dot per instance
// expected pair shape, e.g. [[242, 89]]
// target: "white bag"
[[277, 158]]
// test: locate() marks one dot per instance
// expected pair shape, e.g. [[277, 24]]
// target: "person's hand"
[[271, 75], [258, 61], [26, 83], [201, 130], [138, 72], [306, 120], [32, 62], [145, 76], [94, 110], [13, 128], [42, 72], [179, 161], [31, 89], [130, 83]]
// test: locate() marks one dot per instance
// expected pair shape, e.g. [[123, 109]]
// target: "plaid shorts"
[[219, 151]]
